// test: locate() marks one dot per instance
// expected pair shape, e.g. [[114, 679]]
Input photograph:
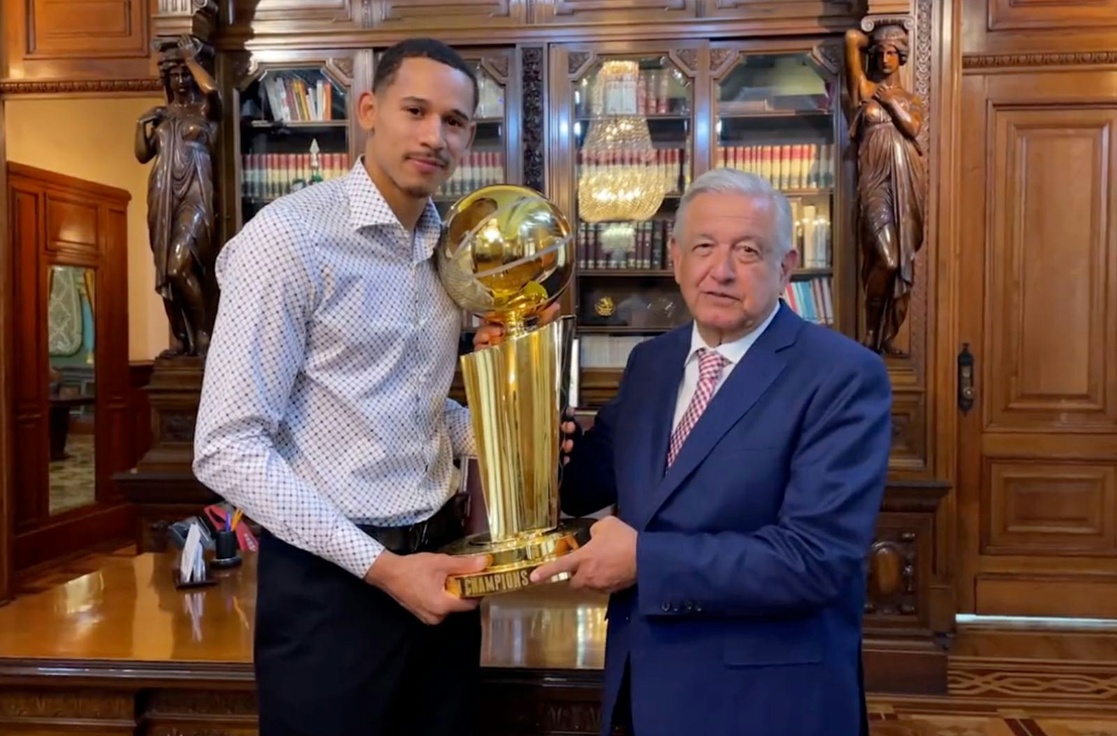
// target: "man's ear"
[[366, 110]]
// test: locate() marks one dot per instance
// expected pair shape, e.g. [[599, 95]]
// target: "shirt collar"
[[731, 351], [368, 208]]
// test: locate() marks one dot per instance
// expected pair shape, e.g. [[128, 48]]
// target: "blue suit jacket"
[[746, 614]]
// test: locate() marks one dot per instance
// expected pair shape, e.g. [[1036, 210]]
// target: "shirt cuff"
[[351, 549]]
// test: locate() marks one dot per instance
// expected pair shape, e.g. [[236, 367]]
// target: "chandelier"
[[619, 178]]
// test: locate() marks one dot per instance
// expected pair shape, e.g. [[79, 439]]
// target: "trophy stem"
[[514, 392]]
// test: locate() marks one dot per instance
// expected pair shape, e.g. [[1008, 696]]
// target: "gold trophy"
[[506, 254]]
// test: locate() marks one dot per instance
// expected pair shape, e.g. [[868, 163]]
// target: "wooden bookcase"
[[755, 85]]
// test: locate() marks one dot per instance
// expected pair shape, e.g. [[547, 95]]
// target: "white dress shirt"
[[731, 351], [325, 396]]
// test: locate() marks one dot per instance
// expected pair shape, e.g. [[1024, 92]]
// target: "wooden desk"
[[122, 652]]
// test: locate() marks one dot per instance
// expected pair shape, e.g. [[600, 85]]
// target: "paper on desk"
[[191, 564]]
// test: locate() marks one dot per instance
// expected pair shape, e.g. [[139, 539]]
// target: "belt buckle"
[[419, 535]]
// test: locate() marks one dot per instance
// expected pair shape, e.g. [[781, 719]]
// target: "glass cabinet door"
[[631, 154], [294, 132], [775, 117]]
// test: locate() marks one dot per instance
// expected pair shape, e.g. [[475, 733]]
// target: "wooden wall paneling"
[[267, 16], [1017, 31], [427, 14], [818, 9], [1038, 494], [61, 219], [7, 344], [942, 316], [52, 40], [607, 11]]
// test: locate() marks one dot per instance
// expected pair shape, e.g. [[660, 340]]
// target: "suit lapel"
[[751, 378], [656, 414]]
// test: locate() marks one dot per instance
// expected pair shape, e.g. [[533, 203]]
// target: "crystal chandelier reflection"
[[618, 178]]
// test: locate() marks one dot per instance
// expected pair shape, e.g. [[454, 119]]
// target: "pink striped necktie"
[[710, 365]]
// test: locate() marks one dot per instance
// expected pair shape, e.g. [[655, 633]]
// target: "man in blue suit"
[[746, 454]]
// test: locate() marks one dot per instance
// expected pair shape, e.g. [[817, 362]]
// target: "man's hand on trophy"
[[569, 429], [418, 582], [606, 564], [491, 333]]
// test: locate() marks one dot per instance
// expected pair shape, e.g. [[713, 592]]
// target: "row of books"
[[669, 164], [790, 166], [811, 299], [617, 245], [649, 92], [175, 7], [293, 99], [478, 169], [266, 176], [811, 235]]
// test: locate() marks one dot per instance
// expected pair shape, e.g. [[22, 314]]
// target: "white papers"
[[192, 566]]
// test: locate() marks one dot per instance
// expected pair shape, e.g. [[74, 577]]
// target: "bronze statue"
[[885, 122], [180, 137]]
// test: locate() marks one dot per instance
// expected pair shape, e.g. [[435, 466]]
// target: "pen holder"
[[226, 552]]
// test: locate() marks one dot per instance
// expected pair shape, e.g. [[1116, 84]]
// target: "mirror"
[[72, 389]]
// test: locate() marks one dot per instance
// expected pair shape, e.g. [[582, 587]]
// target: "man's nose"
[[723, 266], [431, 133]]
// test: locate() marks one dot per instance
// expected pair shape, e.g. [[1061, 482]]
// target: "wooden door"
[[69, 365], [1037, 481]]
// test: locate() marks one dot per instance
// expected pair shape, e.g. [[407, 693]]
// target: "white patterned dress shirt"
[[325, 400]]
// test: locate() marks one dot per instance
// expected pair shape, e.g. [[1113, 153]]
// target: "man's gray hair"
[[732, 181]]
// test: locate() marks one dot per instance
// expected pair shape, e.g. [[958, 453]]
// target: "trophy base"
[[511, 561]]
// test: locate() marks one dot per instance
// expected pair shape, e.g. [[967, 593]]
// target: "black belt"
[[447, 525]]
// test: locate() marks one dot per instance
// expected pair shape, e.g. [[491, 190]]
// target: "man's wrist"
[[382, 570]]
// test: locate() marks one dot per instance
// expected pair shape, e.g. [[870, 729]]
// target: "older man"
[[747, 454]]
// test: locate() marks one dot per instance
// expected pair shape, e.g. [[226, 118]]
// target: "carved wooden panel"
[[1037, 493], [770, 9], [61, 28], [71, 227], [449, 13], [1052, 269], [909, 430], [108, 40], [596, 11], [1055, 32], [900, 572], [1066, 509], [1026, 14], [333, 14]]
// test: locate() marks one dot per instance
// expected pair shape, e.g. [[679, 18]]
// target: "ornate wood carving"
[[496, 66], [828, 55], [1013, 61], [721, 60], [887, 125], [533, 118], [686, 60], [892, 574], [341, 68], [577, 62], [80, 86]]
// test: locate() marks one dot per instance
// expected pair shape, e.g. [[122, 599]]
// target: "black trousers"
[[335, 656]]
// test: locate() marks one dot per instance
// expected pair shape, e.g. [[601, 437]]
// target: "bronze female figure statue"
[[179, 137], [885, 122]]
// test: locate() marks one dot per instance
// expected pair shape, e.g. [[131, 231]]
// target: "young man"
[[324, 416]]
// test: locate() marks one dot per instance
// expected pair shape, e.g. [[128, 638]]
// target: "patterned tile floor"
[[889, 723]]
